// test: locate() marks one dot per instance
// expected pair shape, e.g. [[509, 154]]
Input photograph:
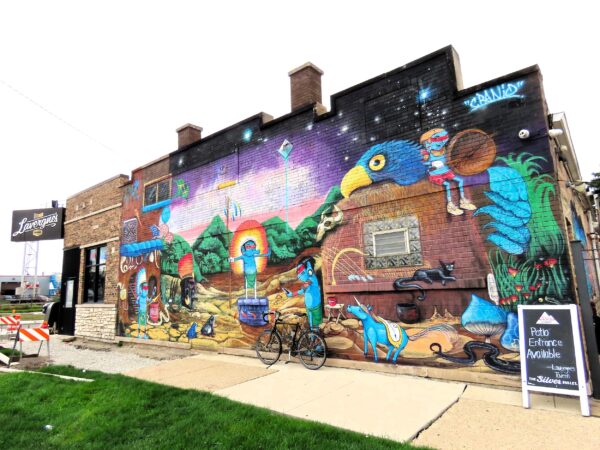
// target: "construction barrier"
[[33, 335], [12, 323], [39, 334]]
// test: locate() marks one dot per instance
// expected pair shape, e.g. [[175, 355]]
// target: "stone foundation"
[[96, 321]]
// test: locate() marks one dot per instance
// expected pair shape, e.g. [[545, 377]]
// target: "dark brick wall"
[[513, 230]]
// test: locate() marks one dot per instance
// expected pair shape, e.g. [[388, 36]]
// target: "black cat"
[[441, 274], [208, 329]]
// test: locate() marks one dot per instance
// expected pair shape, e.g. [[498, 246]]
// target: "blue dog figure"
[[378, 330]]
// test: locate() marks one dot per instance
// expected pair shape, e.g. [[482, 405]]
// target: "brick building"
[[438, 207], [91, 260]]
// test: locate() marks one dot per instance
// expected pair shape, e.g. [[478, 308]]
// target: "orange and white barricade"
[[31, 335], [11, 323]]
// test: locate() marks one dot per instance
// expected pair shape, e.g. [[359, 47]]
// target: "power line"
[[56, 116]]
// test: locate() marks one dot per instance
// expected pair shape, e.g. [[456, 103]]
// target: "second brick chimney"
[[188, 134], [305, 84]]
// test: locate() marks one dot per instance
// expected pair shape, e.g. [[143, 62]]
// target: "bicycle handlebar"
[[278, 314]]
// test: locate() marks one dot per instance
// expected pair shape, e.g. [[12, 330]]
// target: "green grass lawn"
[[28, 316], [8, 351], [121, 412]]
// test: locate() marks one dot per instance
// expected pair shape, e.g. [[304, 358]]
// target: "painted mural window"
[[130, 231], [95, 274], [157, 192], [392, 243]]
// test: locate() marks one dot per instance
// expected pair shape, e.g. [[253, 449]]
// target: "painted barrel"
[[251, 311], [407, 312]]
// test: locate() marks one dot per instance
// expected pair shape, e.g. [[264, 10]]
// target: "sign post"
[[552, 353]]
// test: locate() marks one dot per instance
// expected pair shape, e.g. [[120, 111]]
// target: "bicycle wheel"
[[312, 350], [268, 347]]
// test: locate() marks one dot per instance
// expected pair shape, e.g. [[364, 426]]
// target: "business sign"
[[551, 352], [37, 224]]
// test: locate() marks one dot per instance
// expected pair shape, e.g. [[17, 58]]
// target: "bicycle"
[[308, 345]]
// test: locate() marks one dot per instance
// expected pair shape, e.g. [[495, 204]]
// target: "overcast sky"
[[89, 90]]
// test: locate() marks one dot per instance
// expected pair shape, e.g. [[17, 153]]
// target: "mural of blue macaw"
[[397, 161], [400, 161]]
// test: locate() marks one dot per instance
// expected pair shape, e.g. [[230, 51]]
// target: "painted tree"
[[172, 253], [284, 242], [307, 229], [210, 248]]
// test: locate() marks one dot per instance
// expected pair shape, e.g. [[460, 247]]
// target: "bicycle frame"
[[278, 326], [300, 341]]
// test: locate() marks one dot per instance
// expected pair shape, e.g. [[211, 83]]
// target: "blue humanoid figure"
[[248, 257], [142, 303], [305, 271], [434, 155]]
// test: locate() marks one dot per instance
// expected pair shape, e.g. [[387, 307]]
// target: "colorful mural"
[[401, 197]]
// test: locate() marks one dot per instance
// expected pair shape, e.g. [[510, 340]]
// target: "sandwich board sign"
[[552, 353]]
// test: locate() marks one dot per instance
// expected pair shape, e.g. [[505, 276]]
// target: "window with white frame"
[[392, 242]]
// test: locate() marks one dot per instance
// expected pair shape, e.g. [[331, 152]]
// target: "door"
[[68, 293]]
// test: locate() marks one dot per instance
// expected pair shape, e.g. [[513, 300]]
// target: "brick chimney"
[[188, 134], [305, 83]]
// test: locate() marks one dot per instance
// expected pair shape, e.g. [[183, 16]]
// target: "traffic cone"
[[45, 324]]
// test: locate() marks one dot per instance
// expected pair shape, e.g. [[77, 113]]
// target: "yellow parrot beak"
[[355, 178]]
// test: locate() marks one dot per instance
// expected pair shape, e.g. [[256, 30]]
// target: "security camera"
[[524, 133]]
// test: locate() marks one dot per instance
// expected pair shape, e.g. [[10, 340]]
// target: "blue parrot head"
[[397, 161]]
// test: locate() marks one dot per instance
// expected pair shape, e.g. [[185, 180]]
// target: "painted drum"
[[471, 152]]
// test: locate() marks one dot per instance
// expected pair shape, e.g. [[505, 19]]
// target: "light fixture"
[[580, 186], [555, 132]]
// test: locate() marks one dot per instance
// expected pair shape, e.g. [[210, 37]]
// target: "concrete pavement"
[[428, 412], [366, 402]]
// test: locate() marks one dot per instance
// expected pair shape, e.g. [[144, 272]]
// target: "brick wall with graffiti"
[[407, 223]]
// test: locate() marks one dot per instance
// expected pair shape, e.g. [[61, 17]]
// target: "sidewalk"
[[439, 414]]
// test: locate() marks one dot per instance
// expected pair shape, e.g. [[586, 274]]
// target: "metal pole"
[[586, 317], [227, 206], [286, 191], [593, 236], [35, 275], [24, 268]]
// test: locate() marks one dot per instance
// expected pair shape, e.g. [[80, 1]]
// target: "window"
[[95, 274], [393, 242], [157, 192]]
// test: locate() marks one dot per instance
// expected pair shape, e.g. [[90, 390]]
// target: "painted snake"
[[490, 357]]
